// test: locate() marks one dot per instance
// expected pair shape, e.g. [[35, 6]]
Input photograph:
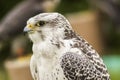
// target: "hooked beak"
[[28, 28]]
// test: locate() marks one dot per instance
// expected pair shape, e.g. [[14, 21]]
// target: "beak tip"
[[25, 29]]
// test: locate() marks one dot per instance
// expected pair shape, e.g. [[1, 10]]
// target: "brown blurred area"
[[97, 21]]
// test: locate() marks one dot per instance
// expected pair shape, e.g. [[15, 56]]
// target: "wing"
[[79, 67], [91, 54], [33, 68]]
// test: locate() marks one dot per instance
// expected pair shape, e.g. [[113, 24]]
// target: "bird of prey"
[[61, 54]]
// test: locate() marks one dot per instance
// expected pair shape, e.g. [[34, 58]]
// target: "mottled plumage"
[[59, 53]]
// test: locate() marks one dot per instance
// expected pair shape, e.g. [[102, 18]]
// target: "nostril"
[[30, 26]]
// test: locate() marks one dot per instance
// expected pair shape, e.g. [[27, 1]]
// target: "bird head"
[[47, 26]]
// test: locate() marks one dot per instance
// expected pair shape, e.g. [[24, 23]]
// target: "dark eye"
[[41, 23]]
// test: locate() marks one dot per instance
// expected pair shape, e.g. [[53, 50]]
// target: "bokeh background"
[[98, 21]]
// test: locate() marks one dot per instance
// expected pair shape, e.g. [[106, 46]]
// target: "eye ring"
[[41, 23]]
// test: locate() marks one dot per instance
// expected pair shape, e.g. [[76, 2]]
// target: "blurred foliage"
[[4, 50], [114, 39], [5, 46], [70, 6], [3, 73], [7, 5], [111, 33]]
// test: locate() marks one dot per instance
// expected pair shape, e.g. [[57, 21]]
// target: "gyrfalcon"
[[61, 54]]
